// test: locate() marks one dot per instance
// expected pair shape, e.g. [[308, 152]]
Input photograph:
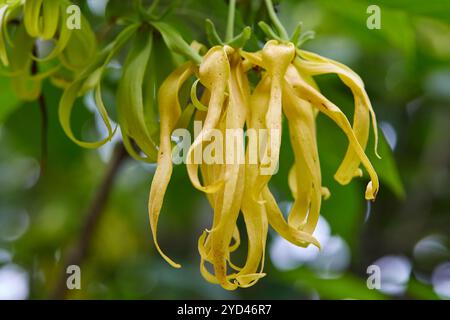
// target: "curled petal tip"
[[371, 193], [316, 243], [341, 179], [325, 193], [212, 188], [358, 173]]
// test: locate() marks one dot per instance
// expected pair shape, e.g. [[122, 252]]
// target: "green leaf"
[[120, 9], [347, 286], [396, 25], [130, 97], [420, 291], [434, 9], [344, 209]]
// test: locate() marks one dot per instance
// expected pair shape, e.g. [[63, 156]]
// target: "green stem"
[[277, 23], [230, 21]]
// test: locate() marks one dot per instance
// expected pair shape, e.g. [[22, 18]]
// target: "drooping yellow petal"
[[316, 65], [279, 224], [227, 208], [213, 73], [255, 58], [169, 111], [307, 92], [214, 249], [276, 58], [308, 176], [211, 173]]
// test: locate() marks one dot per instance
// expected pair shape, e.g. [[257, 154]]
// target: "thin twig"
[[44, 117], [44, 132], [92, 217], [275, 20], [230, 20]]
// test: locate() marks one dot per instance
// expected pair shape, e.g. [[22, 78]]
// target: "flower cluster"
[[285, 86], [242, 90]]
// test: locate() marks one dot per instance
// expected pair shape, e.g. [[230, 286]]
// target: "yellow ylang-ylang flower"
[[285, 87]]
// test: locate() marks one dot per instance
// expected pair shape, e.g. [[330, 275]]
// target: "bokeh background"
[[406, 68]]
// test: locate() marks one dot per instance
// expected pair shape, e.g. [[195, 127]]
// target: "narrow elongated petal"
[[315, 65], [214, 73], [277, 221], [308, 176], [276, 58], [169, 111], [233, 187], [254, 211], [310, 94]]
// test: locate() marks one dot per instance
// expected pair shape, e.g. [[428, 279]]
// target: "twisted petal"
[[277, 221], [169, 111], [276, 58], [227, 203], [214, 73], [307, 168], [310, 94], [315, 65], [233, 188]]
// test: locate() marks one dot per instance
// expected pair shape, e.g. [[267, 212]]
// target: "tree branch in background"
[[44, 118], [44, 132], [92, 217]]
